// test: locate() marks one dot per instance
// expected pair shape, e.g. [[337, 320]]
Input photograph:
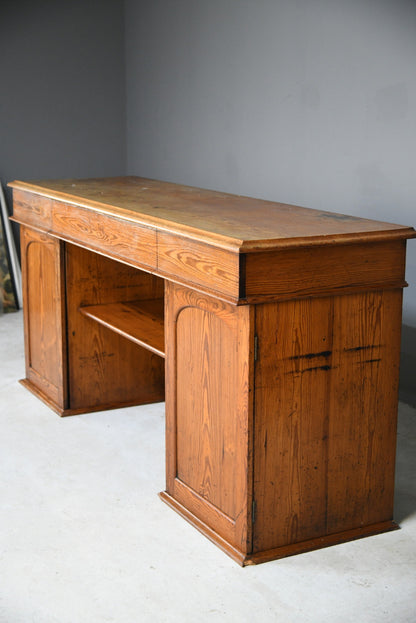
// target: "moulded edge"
[[63, 412], [279, 552]]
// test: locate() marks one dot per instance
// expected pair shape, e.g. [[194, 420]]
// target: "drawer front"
[[199, 265], [114, 237], [30, 209], [317, 271]]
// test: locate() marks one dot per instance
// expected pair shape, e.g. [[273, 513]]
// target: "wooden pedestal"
[[281, 419], [74, 361]]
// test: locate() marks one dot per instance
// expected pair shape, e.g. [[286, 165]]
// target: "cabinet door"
[[44, 316], [208, 413]]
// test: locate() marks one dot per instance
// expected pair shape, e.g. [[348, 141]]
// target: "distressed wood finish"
[[209, 411], [199, 265], [105, 234], [141, 322], [326, 400], [236, 248], [363, 403], [229, 221], [315, 271], [32, 209], [281, 337], [105, 369], [43, 275]]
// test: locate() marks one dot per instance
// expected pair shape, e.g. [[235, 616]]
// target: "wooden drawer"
[[316, 271], [106, 234], [199, 265], [31, 209]]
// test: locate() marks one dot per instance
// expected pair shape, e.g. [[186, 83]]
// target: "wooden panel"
[[291, 398], [300, 272], [209, 411], [141, 322], [206, 427], [105, 369], [100, 232], [326, 406], [32, 209], [44, 313], [199, 265], [363, 406]]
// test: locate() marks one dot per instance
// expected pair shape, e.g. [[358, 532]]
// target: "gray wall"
[[62, 92], [310, 102]]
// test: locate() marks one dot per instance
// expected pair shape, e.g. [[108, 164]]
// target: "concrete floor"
[[85, 539]]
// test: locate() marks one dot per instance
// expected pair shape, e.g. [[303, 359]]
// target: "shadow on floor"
[[405, 490]]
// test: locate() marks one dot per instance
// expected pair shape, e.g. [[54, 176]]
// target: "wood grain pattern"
[[318, 543], [44, 315], [31, 209], [106, 234], [204, 365], [141, 322], [198, 265], [208, 410], [363, 403], [326, 407], [291, 406], [282, 337], [243, 250], [316, 271], [242, 223], [105, 369]]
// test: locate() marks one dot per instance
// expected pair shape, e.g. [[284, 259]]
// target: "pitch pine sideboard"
[[271, 331]]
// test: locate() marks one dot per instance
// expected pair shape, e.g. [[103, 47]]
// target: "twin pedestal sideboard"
[[271, 331]]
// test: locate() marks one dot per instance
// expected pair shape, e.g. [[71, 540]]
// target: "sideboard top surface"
[[243, 223]]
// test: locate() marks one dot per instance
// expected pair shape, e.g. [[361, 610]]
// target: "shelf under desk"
[[138, 321]]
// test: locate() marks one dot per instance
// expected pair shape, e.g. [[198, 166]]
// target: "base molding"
[[284, 551], [202, 527], [320, 542], [64, 412]]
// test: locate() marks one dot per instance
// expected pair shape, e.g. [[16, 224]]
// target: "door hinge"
[[256, 348], [253, 511]]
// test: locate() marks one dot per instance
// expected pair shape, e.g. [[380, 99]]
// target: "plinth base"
[[284, 551]]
